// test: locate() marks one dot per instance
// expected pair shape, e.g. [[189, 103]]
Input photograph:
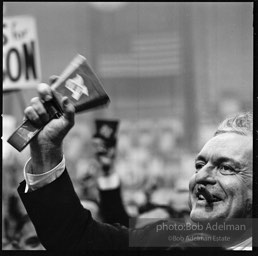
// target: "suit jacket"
[[62, 223], [112, 209]]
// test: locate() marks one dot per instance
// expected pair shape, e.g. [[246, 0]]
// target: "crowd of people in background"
[[148, 161]]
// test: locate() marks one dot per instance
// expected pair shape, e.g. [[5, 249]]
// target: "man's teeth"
[[201, 197]]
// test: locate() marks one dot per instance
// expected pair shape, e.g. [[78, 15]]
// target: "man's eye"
[[199, 165], [226, 169]]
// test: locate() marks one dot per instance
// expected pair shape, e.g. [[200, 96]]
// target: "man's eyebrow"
[[219, 160], [200, 158], [228, 159]]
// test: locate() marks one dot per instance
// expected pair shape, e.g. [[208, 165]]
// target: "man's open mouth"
[[203, 194], [212, 199]]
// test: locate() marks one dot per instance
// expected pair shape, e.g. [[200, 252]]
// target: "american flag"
[[149, 55]]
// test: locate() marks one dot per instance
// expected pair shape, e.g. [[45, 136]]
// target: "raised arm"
[[54, 208]]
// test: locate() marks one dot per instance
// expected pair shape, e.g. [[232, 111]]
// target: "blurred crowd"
[[150, 160]]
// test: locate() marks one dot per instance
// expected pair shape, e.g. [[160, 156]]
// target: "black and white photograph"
[[128, 127]]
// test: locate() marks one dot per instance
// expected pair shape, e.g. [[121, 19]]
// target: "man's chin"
[[200, 218], [203, 216]]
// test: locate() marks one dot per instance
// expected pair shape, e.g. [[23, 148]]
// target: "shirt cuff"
[[36, 181], [109, 182]]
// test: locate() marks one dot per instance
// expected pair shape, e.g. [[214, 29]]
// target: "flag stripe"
[[150, 55]]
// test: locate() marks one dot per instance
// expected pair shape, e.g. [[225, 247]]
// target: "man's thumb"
[[69, 110]]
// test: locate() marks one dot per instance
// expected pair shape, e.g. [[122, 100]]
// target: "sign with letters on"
[[21, 59]]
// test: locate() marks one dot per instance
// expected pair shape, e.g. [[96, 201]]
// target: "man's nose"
[[206, 175]]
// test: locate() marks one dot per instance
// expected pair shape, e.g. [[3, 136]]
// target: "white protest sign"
[[21, 59], [8, 125]]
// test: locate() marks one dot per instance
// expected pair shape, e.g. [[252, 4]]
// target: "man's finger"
[[45, 92], [40, 109], [53, 79], [32, 115]]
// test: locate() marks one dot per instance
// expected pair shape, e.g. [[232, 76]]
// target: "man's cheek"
[[191, 184], [190, 203], [191, 188]]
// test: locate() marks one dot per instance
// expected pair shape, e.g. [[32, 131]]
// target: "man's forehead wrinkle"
[[228, 142]]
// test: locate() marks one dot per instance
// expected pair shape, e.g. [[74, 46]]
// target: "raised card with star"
[[81, 85], [83, 88]]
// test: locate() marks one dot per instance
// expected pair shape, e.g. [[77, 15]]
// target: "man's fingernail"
[[48, 98], [65, 101]]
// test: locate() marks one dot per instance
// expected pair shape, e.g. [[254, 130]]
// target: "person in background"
[[97, 174], [28, 239], [221, 186], [112, 208]]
